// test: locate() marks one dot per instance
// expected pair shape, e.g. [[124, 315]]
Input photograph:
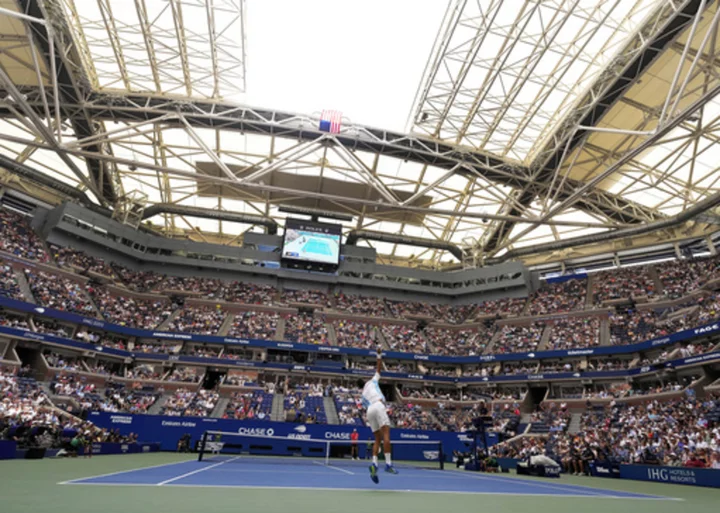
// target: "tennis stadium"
[[332, 256]]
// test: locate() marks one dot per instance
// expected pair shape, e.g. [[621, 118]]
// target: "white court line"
[[333, 467], [371, 490], [576, 488], [594, 492], [161, 483], [73, 481]]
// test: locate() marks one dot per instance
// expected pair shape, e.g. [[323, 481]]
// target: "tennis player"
[[373, 401]]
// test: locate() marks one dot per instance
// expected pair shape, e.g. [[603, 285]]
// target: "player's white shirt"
[[371, 392]]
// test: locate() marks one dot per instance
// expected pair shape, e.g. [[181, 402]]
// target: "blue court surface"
[[283, 473], [318, 247]]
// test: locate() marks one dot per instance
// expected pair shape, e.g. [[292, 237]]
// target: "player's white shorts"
[[377, 416]]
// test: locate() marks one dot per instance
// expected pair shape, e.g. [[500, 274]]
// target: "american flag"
[[330, 121]]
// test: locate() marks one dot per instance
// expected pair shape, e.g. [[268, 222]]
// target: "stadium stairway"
[[381, 339], [574, 425], [330, 411], [496, 336], [589, 295], [605, 332], [698, 386], [545, 338], [157, 405], [24, 286], [90, 299], [427, 342], [164, 325], [220, 408], [280, 330], [526, 308], [277, 413], [226, 325], [659, 287], [332, 336]]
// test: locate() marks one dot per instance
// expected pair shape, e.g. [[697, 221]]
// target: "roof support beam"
[[57, 47], [564, 143]]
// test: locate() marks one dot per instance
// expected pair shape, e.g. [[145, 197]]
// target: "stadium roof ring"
[[542, 131]]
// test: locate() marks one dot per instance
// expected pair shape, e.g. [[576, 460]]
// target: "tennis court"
[[296, 473], [317, 246], [178, 483]]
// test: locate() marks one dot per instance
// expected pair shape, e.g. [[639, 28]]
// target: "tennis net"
[[224, 446]]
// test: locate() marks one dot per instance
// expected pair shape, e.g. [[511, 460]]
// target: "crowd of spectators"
[[185, 375], [413, 416], [8, 284], [313, 297], [519, 368], [129, 311], [59, 293], [574, 332], [456, 342], [623, 284], [50, 327], [303, 402], [354, 334], [139, 281], [237, 379], [633, 326], [348, 406], [255, 405], [519, 339], [251, 324], [63, 362], [410, 309], [105, 368], [133, 399], [512, 306], [28, 417], [207, 288], [401, 337], [361, 305], [18, 238], [559, 297], [608, 364], [202, 320], [306, 329], [187, 403], [68, 257], [14, 321], [70, 385], [249, 293], [454, 419], [237, 353], [178, 402], [679, 279], [202, 351], [21, 399], [144, 372], [679, 432], [455, 314]]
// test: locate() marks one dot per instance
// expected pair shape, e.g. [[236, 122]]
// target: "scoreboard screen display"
[[307, 241]]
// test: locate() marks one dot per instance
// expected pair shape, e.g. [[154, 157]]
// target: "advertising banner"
[[674, 475], [167, 431]]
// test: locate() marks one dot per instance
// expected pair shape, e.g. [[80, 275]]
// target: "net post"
[[441, 456], [327, 452], [203, 444]]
